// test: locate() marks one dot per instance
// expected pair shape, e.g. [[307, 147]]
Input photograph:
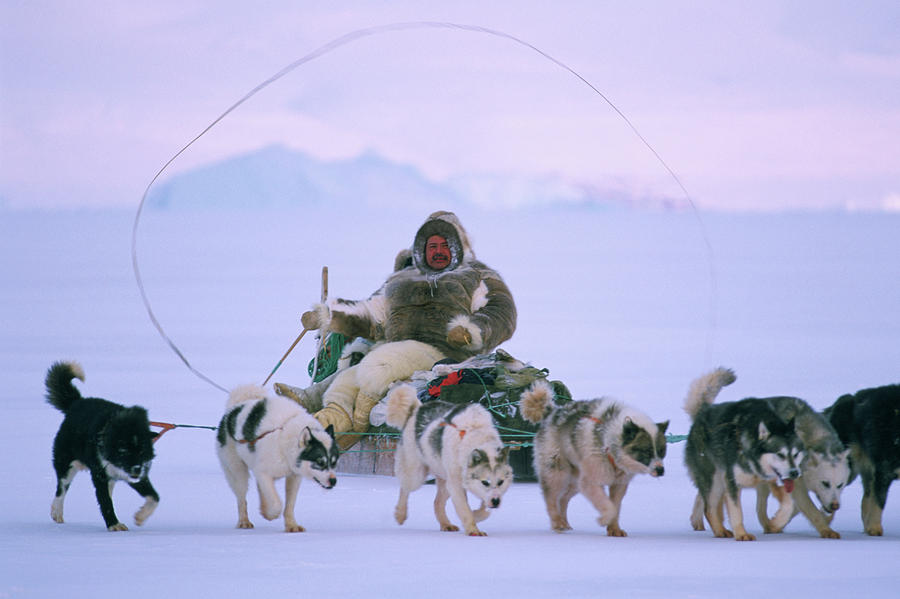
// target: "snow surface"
[[613, 303]]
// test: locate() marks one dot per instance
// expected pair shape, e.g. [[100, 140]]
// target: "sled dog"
[[732, 445], [868, 422], [111, 441], [825, 469], [589, 445], [459, 445], [273, 437]]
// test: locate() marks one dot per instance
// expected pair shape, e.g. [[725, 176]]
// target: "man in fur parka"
[[444, 304]]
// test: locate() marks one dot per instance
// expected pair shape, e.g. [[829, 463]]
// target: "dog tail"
[[536, 401], [243, 393], [704, 390], [401, 403], [61, 393]]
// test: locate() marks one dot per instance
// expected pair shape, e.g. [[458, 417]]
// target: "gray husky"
[[733, 445], [825, 469], [459, 445], [586, 446]]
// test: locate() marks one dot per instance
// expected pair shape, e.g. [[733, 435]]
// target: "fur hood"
[[447, 225]]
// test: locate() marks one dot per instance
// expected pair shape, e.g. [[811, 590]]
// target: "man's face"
[[437, 252]]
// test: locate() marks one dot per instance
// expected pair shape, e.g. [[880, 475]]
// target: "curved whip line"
[[354, 36]]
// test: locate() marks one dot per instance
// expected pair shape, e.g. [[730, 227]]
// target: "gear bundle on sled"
[[495, 380]]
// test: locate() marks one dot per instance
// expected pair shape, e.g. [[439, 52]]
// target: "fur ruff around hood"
[[447, 225]]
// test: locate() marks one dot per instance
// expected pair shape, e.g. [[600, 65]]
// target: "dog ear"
[[662, 426], [330, 431], [763, 431], [478, 456], [503, 456], [629, 431], [812, 460], [305, 436]]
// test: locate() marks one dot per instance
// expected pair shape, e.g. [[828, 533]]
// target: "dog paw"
[[400, 515], [772, 530], [830, 534], [449, 528], [615, 531], [744, 536], [874, 531], [56, 512], [561, 527], [293, 528], [476, 533], [481, 514], [724, 534], [605, 519], [697, 521], [117, 527], [270, 514], [146, 510], [244, 524]]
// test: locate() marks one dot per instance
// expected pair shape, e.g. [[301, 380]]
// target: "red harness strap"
[[165, 426], [462, 431], [609, 457], [612, 462], [252, 442]]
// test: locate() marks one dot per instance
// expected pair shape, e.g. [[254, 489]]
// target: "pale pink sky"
[[762, 106]]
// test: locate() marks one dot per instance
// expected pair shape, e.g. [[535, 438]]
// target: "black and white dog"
[[274, 438], [868, 423], [110, 440], [733, 445]]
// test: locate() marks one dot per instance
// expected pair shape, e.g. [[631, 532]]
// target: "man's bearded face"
[[437, 252]]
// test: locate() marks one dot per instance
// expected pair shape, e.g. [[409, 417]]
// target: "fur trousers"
[[355, 390]]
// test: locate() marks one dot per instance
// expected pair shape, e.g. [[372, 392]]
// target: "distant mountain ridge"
[[278, 177]]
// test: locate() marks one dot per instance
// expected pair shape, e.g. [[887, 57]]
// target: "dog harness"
[[252, 442], [462, 431], [609, 456]]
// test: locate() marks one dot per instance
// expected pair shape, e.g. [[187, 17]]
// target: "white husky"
[[274, 438], [459, 444]]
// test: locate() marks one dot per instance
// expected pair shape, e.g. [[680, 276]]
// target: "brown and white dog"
[[587, 446]]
